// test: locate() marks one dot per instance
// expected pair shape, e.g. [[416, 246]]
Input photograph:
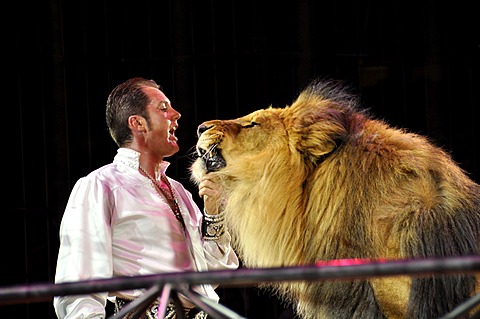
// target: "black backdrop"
[[414, 63]]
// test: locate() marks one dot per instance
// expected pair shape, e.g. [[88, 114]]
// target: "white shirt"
[[116, 224]]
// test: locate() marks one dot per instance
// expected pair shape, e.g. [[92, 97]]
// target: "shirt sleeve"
[[85, 248], [219, 253]]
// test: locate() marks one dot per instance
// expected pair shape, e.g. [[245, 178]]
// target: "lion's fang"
[[210, 153]]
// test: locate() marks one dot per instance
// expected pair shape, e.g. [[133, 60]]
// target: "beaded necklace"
[[167, 192]]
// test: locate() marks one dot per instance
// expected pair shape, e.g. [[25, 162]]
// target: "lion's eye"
[[250, 125]]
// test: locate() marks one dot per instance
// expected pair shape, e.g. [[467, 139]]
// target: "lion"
[[322, 179]]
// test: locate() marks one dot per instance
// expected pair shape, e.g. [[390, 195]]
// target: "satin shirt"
[[116, 224]]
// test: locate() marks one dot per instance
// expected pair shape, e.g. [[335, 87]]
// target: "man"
[[128, 218]]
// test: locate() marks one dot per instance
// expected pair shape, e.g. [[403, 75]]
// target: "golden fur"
[[323, 180]]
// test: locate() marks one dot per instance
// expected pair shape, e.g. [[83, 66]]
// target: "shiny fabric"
[[116, 224]]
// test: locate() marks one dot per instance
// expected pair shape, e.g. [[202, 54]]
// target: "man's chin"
[[173, 148]]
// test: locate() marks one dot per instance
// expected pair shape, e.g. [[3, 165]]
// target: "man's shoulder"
[[103, 172], [105, 175]]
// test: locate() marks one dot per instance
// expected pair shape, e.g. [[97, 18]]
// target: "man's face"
[[160, 137]]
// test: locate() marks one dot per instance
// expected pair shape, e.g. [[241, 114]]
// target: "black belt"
[[152, 310]]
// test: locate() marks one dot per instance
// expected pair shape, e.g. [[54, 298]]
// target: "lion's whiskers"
[[209, 152]]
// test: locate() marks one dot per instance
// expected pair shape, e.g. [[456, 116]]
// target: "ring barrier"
[[163, 286]]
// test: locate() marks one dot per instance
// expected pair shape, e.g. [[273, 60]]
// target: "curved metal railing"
[[165, 286]]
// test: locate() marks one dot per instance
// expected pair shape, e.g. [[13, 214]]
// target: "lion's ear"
[[315, 129]]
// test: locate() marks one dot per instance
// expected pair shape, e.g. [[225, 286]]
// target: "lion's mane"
[[322, 179]]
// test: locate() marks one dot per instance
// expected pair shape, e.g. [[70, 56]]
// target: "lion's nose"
[[202, 128]]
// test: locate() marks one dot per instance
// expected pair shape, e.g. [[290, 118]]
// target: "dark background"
[[414, 63]]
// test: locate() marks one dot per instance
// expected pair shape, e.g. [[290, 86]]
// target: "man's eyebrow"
[[161, 103]]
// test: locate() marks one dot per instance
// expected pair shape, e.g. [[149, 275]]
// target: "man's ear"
[[137, 123]]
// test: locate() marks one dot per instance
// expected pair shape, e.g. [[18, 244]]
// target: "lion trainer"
[[320, 180]]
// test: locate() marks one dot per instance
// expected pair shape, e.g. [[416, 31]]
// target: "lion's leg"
[[392, 295], [339, 300], [435, 234]]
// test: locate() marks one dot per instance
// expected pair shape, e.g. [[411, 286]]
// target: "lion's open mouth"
[[212, 159]]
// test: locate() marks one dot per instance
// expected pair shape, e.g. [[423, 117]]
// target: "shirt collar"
[[128, 157]]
